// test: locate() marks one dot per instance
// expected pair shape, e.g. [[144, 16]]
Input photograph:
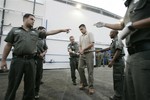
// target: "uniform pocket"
[[34, 37]]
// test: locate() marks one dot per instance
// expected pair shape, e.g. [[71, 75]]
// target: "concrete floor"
[[58, 85]]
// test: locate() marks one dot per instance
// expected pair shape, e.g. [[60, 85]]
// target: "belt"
[[24, 56], [143, 46]]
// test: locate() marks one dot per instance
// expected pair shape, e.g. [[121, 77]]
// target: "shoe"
[[41, 82], [91, 90], [74, 83], [36, 95], [114, 98], [82, 86]]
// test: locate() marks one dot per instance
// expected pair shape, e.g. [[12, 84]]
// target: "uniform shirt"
[[116, 45], [74, 47], [85, 40], [41, 45], [137, 10], [24, 42]]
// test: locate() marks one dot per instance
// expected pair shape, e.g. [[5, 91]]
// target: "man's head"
[[82, 28], [28, 20], [71, 39], [42, 29], [113, 34]]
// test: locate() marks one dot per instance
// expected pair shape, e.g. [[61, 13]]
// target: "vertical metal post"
[[2, 21], [34, 6]]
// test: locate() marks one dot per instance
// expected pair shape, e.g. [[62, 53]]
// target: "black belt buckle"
[[139, 47], [27, 56], [131, 50]]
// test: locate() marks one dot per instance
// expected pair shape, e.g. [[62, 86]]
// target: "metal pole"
[[34, 6], [2, 21]]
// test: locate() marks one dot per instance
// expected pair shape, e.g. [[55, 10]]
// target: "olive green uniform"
[[137, 74], [23, 63], [74, 58], [118, 68]]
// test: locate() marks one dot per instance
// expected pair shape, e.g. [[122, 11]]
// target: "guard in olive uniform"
[[137, 21], [24, 40], [41, 51], [117, 62], [73, 49], [136, 29]]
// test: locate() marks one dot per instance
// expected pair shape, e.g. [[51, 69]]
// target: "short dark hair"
[[41, 27], [114, 31], [27, 15], [82, 25], [71, 37]]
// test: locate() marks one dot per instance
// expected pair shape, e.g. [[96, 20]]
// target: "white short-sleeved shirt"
[[85, 40]]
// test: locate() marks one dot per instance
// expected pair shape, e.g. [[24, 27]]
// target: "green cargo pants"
[[21, 67]]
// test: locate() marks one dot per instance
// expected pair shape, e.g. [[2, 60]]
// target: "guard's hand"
[[99, 24], [42, 55], [81, 52], [77, 53], [97, 51], [66, 30], [3, 65], [110, 64]]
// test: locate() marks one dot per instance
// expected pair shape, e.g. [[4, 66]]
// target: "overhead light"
[[79, 6]]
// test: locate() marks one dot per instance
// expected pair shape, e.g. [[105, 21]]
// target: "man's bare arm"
[[6, 51], [144, 23], [116, 55], [53, 32], [89, 47], [117, 26], [106, 49]]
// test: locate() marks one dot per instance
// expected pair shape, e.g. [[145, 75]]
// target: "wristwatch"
[[130, 26]]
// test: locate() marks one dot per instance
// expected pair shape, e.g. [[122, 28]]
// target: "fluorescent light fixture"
[[79, 6]]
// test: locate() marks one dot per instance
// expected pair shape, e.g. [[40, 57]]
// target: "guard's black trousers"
[[39, 72], [21, 67], [137, 76], [74, 66], [118, 77]]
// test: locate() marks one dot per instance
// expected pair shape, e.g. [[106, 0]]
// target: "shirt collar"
[[21, 27], [84, 34]]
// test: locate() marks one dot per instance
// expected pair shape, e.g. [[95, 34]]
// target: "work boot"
[[82, 86], [114, 98], [36, 96], [74, 83], [41, 82], [91, 90]]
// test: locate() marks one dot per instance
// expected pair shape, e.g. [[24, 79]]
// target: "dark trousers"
[[39, 72], [137, 76], [18, 68], [73, 67], [118, 77]]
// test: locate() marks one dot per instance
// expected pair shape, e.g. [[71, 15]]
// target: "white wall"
[[14, 16], [61, 15], [58, 15]]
